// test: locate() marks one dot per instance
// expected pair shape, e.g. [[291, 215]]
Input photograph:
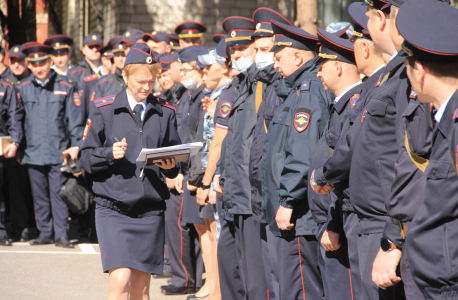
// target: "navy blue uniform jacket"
[[117, 182], [53, 121], [292, 137], [432, 235]]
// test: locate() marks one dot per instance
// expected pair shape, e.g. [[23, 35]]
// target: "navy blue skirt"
[[191, 208], [126, 242]]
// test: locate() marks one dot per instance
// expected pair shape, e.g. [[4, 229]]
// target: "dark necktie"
[[137, 109]]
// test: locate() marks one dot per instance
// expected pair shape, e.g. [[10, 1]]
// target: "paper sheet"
[[193, 147]]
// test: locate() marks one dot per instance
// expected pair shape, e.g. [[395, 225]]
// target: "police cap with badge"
[[37, 53], [60, 43], [158, 36], [239, 29], [335, 48], [115, 45], [383, 5], [191, 54], [357, 13], [289, 36], [190, 30], [131, 36], [93, 40], [218, 37], [105, 51], [414, 30], [16, 52], [262, 17]]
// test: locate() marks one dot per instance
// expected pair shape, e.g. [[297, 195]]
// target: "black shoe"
[[24, 235], [64, 242], [5, 241], [42, 240], [178, 290], [165, 274], [193, 297]]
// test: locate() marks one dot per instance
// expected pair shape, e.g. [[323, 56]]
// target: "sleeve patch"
[[63, 93], [92, 98], [225, 108], [86, 130], [302, 119]]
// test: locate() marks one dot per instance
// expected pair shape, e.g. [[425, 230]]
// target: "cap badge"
[[16, 49], [190, 32], [94, 37], [119, 46], [179, 60], [127, 34], [149, 60], [258, 25], [57, 44], [154, 33], [233, 34], [171, 44], [36, 55], [273, 39]]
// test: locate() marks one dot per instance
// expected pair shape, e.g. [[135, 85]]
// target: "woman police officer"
[[129, 195]]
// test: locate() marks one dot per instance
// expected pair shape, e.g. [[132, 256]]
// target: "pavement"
[[48, 272]]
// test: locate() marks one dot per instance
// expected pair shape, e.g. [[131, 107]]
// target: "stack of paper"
[[179, 152]]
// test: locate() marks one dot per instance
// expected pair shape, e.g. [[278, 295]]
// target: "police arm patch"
[[86, 129], [76, 99], [225, 108], [302, 119]]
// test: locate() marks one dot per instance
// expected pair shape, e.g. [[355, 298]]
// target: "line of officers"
[[329, 186]]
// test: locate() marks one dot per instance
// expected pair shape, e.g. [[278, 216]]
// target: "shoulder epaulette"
[[24, 83], [104, 101], [167, 104], [66, 83], [77, 70], [228, 85], [105, 80], [206, 91], [90, 77], [6, 83], [305, 86]]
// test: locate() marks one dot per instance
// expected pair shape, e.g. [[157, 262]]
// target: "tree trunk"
[[307, 15]]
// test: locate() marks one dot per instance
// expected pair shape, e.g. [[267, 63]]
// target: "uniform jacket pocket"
[[377, 108]]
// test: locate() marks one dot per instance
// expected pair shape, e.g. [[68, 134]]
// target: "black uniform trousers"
[[2, 206], [368, 248], [50, 210], [334, 269], [183, 243], [20, 196], [228, 265], [269, 257], [350, 225], [410, 288], [298, 270]]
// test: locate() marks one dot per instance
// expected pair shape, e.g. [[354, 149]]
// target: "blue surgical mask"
[[189, 83], [264, 60], [242, 65]]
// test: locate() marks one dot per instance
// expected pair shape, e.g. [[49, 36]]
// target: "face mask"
[[189, 83], [242, 65], [264, 60]]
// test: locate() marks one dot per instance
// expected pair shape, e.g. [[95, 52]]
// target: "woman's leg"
[[205, 246], [216, 291], [139, 289], [120, 279]]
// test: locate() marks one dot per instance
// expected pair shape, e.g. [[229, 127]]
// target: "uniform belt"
[[403, 226]]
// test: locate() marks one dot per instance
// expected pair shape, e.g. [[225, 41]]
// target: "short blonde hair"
[[194, 65], [132, 68]]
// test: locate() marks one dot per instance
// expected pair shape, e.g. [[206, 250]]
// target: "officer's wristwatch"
[[203, 186], [387, 245], [312, 179], [15, 144]]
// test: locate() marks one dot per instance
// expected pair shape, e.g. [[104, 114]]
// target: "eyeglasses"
[[185, 71]]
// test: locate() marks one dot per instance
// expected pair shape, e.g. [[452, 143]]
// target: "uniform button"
[[433, 172], [373, 109]]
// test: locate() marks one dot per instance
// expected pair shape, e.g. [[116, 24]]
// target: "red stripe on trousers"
[[181, 238]]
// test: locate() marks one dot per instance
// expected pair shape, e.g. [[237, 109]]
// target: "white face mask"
[[189, 83], [264, 60], [242, 65]]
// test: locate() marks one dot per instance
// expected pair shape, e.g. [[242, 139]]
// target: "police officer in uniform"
[[10, 125], [431, 61], [53, 127], [174, 42], [61, 54], [5, 72], [130, 195], [190, 33], [18, 63], [130, 37], [340, 76], [158, 41], [293, 134], [371, 145]]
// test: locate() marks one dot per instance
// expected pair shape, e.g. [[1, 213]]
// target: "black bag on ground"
[[76, 196]]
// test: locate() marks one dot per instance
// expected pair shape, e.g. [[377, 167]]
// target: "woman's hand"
[[167, 164], [202, 196], [191, 188], [212, 197], [119, 149], [179, 183], [209, 106], [170, 183], [219, 189]]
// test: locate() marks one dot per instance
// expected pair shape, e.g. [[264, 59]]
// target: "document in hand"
[[179, 152], [4, 142]]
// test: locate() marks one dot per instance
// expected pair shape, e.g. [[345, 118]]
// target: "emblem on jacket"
[[363, 115], [225, 108], [301, 121]]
